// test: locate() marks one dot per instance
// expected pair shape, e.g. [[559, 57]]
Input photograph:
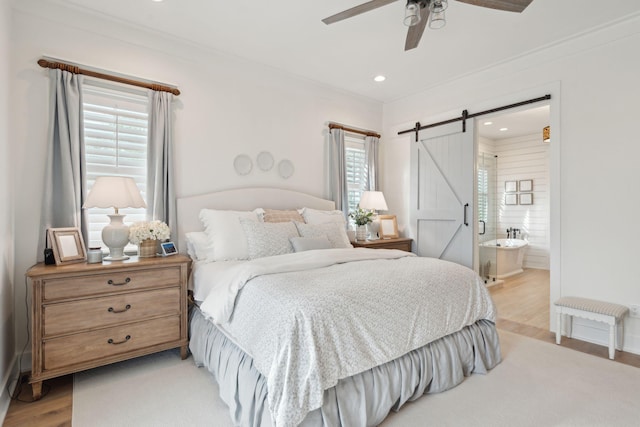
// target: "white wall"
[[228, 106], [593, 82], [521, 158], [7, 315]]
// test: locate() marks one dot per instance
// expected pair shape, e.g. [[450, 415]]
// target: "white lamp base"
[[116, 236]]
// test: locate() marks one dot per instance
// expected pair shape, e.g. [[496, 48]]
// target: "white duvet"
[[311, 318]]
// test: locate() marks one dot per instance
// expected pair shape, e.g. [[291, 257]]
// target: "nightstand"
[[402, 243], [88, 315]]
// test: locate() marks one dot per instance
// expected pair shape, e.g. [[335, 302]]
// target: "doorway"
[[513, 209]]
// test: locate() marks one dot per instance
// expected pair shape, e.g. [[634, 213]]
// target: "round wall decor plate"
[[285, 168], [265, 161], [242, 164]]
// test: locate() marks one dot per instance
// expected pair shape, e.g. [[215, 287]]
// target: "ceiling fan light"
[[411, 14], [438, 5], [437, 20]]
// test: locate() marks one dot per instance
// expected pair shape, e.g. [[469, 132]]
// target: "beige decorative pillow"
[[275, 215]]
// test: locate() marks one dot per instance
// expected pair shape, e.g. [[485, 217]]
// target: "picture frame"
[[510, 199], [526, 185], [510, 186], [67, 244], [526, 198], [388, 227]]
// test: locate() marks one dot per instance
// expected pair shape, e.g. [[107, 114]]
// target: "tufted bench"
[[609, 313]]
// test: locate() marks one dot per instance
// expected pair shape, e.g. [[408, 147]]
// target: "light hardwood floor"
[[523, 308]]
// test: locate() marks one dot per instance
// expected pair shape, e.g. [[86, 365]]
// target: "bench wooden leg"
[[620, 335], [612, 341]]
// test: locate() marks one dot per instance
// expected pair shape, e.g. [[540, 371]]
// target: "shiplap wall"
[[521, 158]]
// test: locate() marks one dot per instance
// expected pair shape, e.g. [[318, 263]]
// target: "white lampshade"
[[373, 200], [115, 192]]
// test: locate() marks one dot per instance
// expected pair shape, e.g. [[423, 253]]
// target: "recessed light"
[[503, 129], [379, 78], [488, 123], [157, 1]]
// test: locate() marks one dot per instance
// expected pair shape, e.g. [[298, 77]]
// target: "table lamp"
[[374, 201], [115, 192]]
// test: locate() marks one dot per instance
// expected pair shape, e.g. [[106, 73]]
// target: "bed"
[[312, 332]]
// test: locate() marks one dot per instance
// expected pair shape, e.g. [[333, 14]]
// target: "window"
[[115, 138], [356, 169]]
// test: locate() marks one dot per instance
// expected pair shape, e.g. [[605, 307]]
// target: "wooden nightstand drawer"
[[108, 282], [401, 243], [79, 315], [88, 346]]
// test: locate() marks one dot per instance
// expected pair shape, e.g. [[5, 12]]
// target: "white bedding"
[[311, 318]]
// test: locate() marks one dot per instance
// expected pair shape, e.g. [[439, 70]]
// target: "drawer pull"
[[127, 280], [111, 341], [112, 310]]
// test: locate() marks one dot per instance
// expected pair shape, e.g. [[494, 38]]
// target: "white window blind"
[[115, 138], [483, 194], [356, 169]]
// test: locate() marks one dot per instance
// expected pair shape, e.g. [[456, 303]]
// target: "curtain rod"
[[465, 115], [45, 63], [348, 129]]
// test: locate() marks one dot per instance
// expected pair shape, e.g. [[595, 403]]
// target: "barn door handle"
[[484, 227], [466, 206]]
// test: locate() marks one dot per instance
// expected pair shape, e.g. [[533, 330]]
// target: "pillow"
[[333, 231], [198, 246], [268, 238], [225, 234], [274, 215], [301, 244], [315, 216]]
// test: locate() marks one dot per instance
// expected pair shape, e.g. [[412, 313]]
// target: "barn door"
[[442, 208]]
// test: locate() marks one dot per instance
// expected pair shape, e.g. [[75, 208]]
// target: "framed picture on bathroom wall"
[[526, 185], [526, 198], [510, 186], [510, 199]]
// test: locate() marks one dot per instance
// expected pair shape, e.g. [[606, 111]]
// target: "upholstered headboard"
[[241, 199]]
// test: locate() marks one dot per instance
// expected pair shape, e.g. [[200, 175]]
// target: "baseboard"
[[9, 382], [598, 333]]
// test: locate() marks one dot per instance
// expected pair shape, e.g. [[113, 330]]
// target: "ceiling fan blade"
[[415, 33], [357, 10], [508, 5]]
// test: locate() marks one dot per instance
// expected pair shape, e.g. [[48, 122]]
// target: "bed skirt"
[[364, 399]]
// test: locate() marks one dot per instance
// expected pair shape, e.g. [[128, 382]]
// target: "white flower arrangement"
[[154, 230]]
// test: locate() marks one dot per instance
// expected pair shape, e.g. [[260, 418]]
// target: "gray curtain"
[[161, 200], [337, 172], [64, 188], [371, 157]]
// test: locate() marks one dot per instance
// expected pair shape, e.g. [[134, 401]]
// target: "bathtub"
[[509, 257]]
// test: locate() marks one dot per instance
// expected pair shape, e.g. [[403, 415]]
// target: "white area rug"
[[537, 384]]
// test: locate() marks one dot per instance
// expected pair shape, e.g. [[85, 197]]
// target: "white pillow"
[[301, 244], [315, 216], [198, 246], [268, 238], [333, 231], [225, 234]]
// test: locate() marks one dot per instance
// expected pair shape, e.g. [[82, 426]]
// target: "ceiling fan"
[[419, 12]]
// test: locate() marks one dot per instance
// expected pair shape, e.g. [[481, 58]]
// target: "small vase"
[[147, 248], [361, 233]]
